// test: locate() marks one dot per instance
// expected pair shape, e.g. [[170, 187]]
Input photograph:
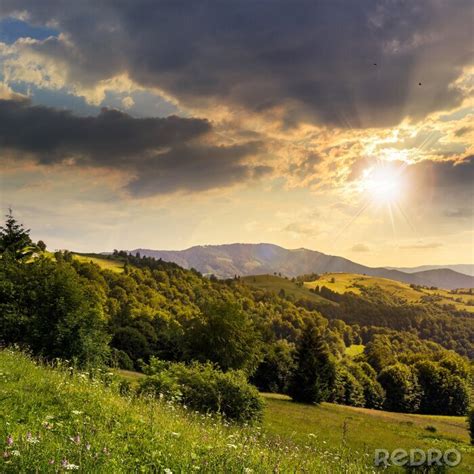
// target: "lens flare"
[[383, 184]]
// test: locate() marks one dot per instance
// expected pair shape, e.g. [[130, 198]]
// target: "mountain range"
[[460, 268], [226, 261]]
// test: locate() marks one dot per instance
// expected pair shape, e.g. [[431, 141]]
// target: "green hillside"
[[351, 282], [58, 420], [104, 262], [290, 288], [366, 430], [55, 421]]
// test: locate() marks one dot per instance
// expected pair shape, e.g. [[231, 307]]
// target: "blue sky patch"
[[12, 28]]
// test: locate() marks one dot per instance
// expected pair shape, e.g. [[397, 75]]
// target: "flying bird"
[[419, 83]]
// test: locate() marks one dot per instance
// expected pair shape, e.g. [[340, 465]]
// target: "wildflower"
[[31, 439], [168, 471], [68, 466], [51, 461], [10, 440], [15, 452], [6, 454], [76, 439], [106, 451], [248, 470], [233, 446], [176, 435], [77, 412], [88, 447]]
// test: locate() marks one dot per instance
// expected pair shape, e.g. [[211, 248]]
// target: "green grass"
[[275, 284], [345, 282], [58, 415], [103, 262], [364, 430]]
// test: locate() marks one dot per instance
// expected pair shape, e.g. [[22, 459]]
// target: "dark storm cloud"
[[161, 155], [446, 186], [333, 62], [446, 176]]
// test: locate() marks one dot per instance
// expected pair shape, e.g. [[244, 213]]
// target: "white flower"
[[71, 467], [176, 435], [168, 471], [233, 446], [15, 452], [77, 412]]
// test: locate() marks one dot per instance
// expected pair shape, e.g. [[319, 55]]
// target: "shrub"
[[132, 342], [274, 372], [121, 360], [205, 388], [470, 420]]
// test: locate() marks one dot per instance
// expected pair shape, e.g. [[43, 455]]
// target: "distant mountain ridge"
[[466, 269], [226, 261]]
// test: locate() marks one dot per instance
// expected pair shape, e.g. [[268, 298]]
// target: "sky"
[[343, 127]]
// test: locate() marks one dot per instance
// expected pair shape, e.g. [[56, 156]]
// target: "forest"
[[213, 344]]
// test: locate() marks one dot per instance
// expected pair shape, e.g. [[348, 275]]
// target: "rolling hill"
[[226, 261]]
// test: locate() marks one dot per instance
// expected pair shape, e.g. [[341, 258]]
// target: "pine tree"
[[15, 239], [314, 377]]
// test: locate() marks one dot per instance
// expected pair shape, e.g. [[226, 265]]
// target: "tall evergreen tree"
[[15, 239], [315, 375]]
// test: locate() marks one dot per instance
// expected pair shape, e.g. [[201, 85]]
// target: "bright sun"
[[383, 184]]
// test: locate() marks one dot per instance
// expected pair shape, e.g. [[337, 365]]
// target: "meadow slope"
[[52, 420]]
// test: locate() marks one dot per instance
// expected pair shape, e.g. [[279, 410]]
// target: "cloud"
[[302, 229], [462, 131], [160, 155], [360, 248], [422, 245], [460, 212], [313, 60]]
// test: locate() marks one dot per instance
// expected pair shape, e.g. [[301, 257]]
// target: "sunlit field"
[[61, 420]]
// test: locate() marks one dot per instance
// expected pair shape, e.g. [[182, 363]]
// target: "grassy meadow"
[[57, 420], [362, 429], [345, 282], [105, 263], [276, 284]]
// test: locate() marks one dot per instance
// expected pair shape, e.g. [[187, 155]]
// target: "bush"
[[275, 371], [121, 360], [205, 388], [470, 420]]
